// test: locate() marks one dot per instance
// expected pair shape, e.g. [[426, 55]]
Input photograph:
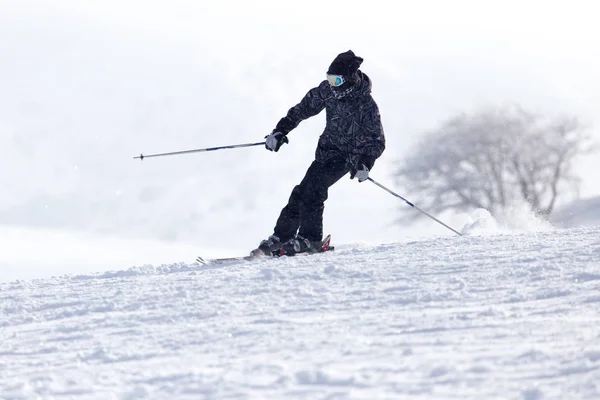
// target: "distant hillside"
[[584, 212]]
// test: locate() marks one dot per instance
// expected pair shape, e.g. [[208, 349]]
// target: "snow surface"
[[496, 315], [579, 213]]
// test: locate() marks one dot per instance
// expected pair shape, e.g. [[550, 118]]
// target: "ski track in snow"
[[503, 316]]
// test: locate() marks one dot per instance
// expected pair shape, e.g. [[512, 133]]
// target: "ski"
[[205, 261], [325, 246]]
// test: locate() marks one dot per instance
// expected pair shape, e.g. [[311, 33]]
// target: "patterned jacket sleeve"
[[370, 144], [312, 104]]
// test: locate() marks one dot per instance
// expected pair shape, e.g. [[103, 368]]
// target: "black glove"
[[275, 140]]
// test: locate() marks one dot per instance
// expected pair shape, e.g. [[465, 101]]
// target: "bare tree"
[[493, 158]]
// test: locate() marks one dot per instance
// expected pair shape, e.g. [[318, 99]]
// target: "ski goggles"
[[335, 80]]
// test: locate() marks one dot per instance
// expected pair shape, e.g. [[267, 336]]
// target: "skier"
[[351, 142]]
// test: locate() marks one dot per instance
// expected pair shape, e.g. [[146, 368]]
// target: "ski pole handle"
[[176, 153]]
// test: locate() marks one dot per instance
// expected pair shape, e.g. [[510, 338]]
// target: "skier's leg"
[[289, 220], [313, 192]]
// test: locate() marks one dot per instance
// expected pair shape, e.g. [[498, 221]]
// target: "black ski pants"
[[304, 211]]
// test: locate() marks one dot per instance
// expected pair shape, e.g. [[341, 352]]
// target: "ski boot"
[[267, 247], [297, 245]]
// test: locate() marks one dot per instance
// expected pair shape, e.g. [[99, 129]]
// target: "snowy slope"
[[580, 213], [503, 316]]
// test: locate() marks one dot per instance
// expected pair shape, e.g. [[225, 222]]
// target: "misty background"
[[86, 86]]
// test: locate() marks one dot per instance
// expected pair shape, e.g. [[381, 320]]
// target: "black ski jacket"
[[353, 130]]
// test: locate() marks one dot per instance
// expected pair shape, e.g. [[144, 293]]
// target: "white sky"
[[86, 85]]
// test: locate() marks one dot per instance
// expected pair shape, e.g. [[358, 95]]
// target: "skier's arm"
[[312, 104], [372, 141]]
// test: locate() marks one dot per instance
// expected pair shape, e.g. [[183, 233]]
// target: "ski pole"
[[414, 206], [175, 153]]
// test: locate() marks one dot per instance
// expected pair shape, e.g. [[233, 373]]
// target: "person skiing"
[[351, 142]]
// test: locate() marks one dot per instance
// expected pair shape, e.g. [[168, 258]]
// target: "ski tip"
[[201, 260]]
